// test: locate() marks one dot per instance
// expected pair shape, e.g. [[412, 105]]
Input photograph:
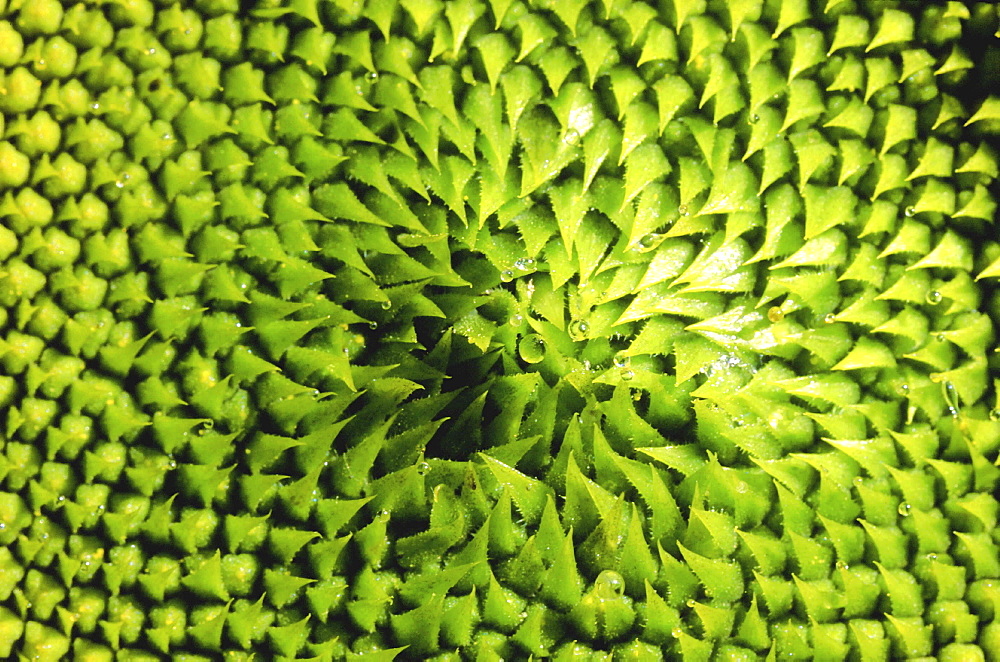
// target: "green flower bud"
[[58, 251], [11, 45], [36, 415], [181, 29], [128, 614], [128, 295], [19, 91], [223, 38], [72, 435], [162, 577], [170, 621], [22, 350], [11, 628], [33, 209], [60, 372], [203, 120], [80, 289], [47, 320], [86, 215], [142, 50], [132, 12], [44, 643], [195, 529], [43, 592], [37, 135], [92, 141], [14, 517], [87, 27], [194, 211], [66, 176], [8, 242], [14, 166], [87, 605], [57, 59], [105, 462], [39, 17], [153, 143], [198, 75], [267, 42]]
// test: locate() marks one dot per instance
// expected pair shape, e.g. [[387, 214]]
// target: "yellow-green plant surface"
[[498, 329]]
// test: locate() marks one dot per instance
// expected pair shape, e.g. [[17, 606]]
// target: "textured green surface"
[[497, 329]]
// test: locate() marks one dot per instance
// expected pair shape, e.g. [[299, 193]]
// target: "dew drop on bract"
[[775, 314], [524, 264], [516, 320], [609, 584], [372, 325], [934, 297], [995, 414], [909, 212], [648, 242], [903, 509], [830, 318], [386, 305], [423, 468], [578, 329], [621, 360], [531, 348], [371, 76], [683, 210], [753, 118], [571, 137], [506, 275], [627, 375]]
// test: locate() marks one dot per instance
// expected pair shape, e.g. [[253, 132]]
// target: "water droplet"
[[506, 275], [372, 325], [637, 396], [648, 242], [753, 119], [683, 210], [903, 509], [995, 414], [829, 318], [621, 360], [531, 348], [934, 297], [423, 468], [516, 320], [371, 76], [525, 264], [903, 389], [150, 51], [386, 305], [572, 137], [690, 603], [909, 212], [940, 337], [578, 329], [609, 584], [677, 632], [775, 314], [627, 375]]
